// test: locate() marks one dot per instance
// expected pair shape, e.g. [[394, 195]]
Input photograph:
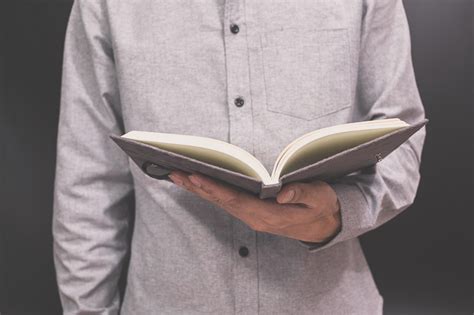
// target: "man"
[[256, 74]]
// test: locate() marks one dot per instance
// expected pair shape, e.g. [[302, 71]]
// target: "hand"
[[302, 211]]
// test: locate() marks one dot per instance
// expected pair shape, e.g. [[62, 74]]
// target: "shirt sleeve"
[[93, 191], [386, 89]]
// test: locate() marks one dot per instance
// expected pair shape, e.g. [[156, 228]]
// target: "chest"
[[238, 71]]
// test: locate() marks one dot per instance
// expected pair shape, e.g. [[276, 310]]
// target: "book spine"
[[269, 191]]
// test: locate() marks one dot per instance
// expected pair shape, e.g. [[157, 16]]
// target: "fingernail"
[[288, 196], [196, 182], [176, 180]]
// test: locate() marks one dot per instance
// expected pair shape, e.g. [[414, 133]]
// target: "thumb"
[[297, 193]]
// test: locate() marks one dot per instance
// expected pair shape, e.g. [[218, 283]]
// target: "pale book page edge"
[[316, 135], [309, 134], [230, 151]]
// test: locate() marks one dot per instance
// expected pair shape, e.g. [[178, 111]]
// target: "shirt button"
[[234, 28], [243, 251], [239, 102]]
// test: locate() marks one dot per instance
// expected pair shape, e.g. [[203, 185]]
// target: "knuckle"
[[295, 186], [188, 187], [273, 221], [233, 200], [208, 190], [300, 192], [216, 200]]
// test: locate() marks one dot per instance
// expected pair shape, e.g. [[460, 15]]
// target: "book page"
[[208, 150], [320, 144]]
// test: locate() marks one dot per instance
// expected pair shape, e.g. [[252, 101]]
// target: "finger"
[[225, 194], [228, 198], [182, 179], [304, 193], [238, 203], [260, 215]]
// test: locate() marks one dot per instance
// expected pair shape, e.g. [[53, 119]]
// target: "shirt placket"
[[240, 134]]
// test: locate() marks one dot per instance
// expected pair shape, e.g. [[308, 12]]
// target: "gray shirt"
[[170, 66]]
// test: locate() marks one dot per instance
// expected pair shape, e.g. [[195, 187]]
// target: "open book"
[[321, 154]]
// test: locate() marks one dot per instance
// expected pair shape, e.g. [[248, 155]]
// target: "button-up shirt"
[[256, 74]]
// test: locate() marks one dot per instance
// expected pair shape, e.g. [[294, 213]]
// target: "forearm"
[[93, 186], [386, 89]]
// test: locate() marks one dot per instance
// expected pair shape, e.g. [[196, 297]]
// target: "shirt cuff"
[[354, 210]]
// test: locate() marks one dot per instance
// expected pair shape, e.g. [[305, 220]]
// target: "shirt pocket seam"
[[296, 39]]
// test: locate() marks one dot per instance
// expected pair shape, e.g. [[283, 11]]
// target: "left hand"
[[302, 211]]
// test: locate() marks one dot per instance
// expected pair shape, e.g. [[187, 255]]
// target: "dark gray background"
[[422, 260]]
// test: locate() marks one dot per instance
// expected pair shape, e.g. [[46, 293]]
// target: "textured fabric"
[[175, 66]]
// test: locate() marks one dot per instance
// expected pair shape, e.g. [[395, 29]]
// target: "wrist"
[[336, 223]]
